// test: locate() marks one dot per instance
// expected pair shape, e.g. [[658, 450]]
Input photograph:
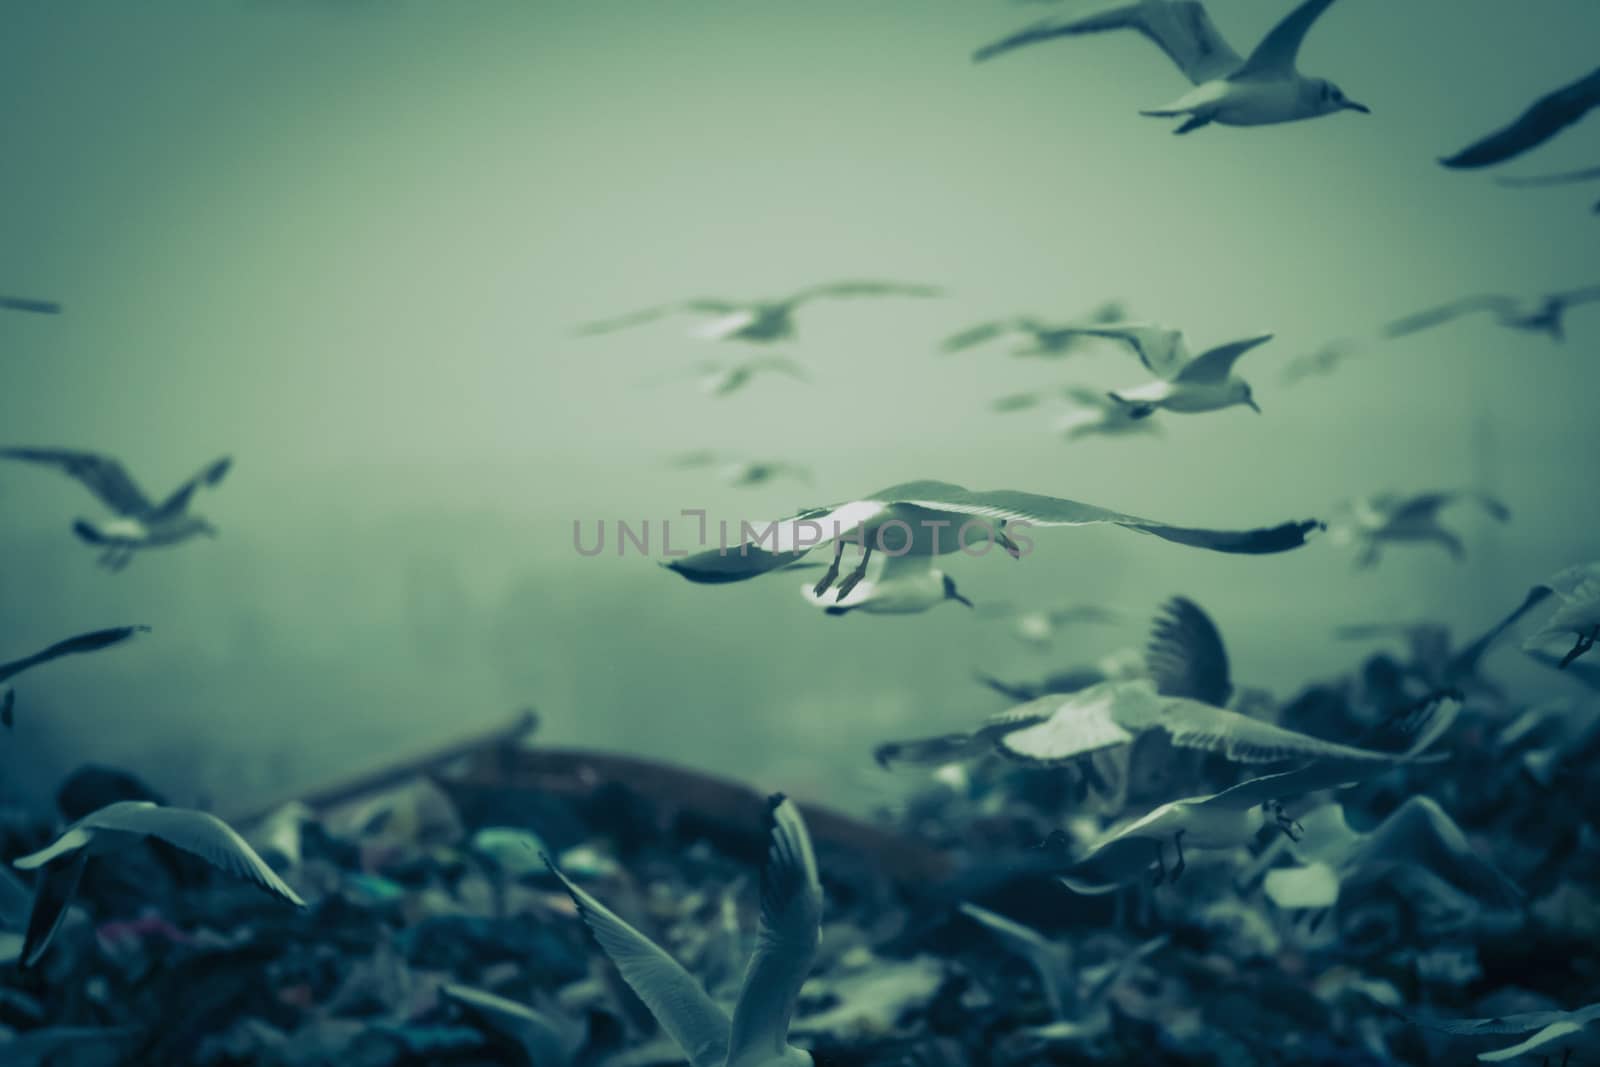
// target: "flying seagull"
[[1260, 90], [758, 321], [140, 524], [115, 826], [1547, 116], [1032, 336], [1578, 614], [38, 307], [1551, 1026], [1389, 518], [1091, 412], [1183, 383], [791, 915], [894, 585], [742, 473], [1051, 960], [936, 518], [1542, 314], [89, 642]]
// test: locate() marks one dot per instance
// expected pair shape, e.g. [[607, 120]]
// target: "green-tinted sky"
[[347, 242]]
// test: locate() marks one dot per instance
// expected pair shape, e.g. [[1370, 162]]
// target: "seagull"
[[38, 307], [546, 1038], [1092, 412], [1577, 614], [742, 473], [1051, 961], [1543, 314], [1035, 337], [139, 524], [759, 321], [1260, 90], [1183, 383], [1551, 1026], [115, 826], [89, 642], [1541, 181], [894, 585], [1323, 361], [1038, 626], [1547, 116], [937, 518], [1418, 832], [1395, 517], [791, 916]]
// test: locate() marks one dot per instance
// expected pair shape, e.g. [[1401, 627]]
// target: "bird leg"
[[852, 579], [832, 573], [1177, 870], [1161, 867], [1585, 643], [1006, 543], [1290, 827]]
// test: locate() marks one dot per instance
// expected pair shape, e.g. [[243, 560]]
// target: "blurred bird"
[[1547, 116], [894, 585], [548, 1038], [1543, 314], [1051, 961], [791, 916], [1034, 337], [722, 378], [89, 642], [1183, 383], [1542, 181], [38, 307], [116, 826], [140, 524], [1091, 412], [1323, 361], [1260, 90], [1551, 1026], [1390, 518], [936, 518], [1038, 626], [1577, 614], [742, 473], [759, 321]]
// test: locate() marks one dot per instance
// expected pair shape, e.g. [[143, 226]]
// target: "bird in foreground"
[[38, 307], [1544, 314], [741, 473], [1391, 518], [1578, 614], [1039, 626], [758, 321], [1547, 116], [140, 524], [115, 826], [1551, 1026], [1261, 89], [1183, 383], [894, 585], [933, 518], [1034, 337], [757, 1035], [1419, 832], [89, 642]]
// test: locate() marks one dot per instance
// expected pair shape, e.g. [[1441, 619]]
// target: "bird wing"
[[1015, 402], [1180, 28], [1033, 509], [1570, 177], [1516, 1023], [1314, 885], [89, 642], [178, 502], [1436, 316], [862, 287], [1191, 724], [1275, 56], [15, 901], [1586, 295], [103, 476], [1466, 661], [196, 832], [51, 898], [637, 318], [1546, 117], [540, 1036], [948, 748], [1579, 582], [1555, 1030], [975, 335], [1185, 656], [38, 307], [1160, 350], [684, 1010], [1081, 723], [1421, 832], [1213, 366], [786, 940]]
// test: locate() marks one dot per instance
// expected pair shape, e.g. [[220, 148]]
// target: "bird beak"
[[1351, 105], [1254, 406]]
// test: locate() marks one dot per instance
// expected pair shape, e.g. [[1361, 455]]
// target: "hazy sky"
[[347, 242]]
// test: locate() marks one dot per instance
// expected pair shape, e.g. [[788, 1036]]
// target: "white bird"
[[140, 524], [1260, 90], [1546, 117], [1032, 336], [739, 473], [1183, 383], [894, 585], [1393, 518], [1577, 614], [936, 518], [791, 916], [116, 826], [758, 321], [1038, 626], [1545, 314], [1551, 1026]]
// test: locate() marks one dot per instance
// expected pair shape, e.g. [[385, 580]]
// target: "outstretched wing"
[[1588, 294], [1180, 28], [1437, 316], [103, 476], [196, 832], [89, 642], [51, 897], [975, 335], [1213, 366], [1191, 724], [638, 318], [1275, 55], [786, 942], [1548, 116], [684, 1010], [1421, 832], [862, 287], [209, 476], [1160, 350], [1466, 661], [1533, 181], [1185, 655], [38, 307], [1079, 724]]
